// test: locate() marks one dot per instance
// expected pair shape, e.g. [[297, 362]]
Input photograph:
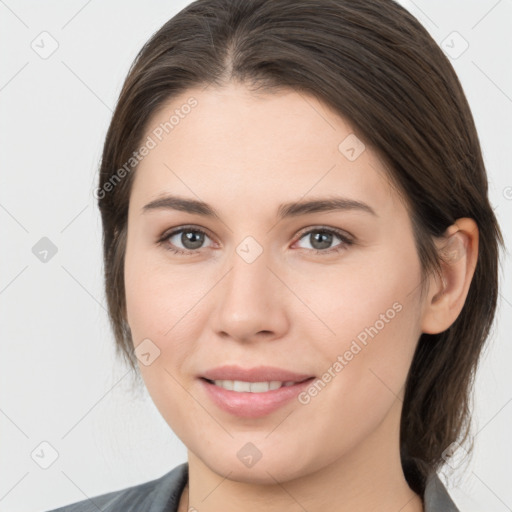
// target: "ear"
[[445, 299]]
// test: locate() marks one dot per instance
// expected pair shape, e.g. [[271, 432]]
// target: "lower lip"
[[252, 405]]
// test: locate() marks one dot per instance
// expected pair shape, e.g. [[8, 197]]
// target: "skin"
[[245, 154]]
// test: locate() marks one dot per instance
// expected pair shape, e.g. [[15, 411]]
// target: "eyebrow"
[[286, 210]]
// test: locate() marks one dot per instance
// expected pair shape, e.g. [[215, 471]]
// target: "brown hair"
[[375, 64]]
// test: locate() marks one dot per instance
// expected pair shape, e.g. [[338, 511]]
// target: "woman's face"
[[266, 287]]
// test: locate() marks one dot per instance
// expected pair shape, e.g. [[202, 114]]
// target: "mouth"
[[244, 399]]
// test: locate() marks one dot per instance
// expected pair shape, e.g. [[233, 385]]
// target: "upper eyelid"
[[336, 231], [175, 231]]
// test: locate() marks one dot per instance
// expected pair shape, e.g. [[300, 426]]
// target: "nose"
[[251, 301]]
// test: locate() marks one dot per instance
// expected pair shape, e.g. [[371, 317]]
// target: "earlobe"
[[458, 252]]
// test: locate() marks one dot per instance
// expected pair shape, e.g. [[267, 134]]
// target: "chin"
[[265, 471]]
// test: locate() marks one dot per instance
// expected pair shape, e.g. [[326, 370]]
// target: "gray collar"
[[436, 497]]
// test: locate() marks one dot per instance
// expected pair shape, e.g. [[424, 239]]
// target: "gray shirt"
[[163, 495]]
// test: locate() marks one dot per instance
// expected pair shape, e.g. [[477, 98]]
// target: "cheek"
[[159, 303], [165, 304], [159, 296], [365, 365], [364, 298], [372, 316]]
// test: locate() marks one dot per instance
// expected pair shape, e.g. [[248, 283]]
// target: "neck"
[[369, 477]]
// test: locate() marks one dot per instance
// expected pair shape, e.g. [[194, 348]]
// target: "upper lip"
[[257, 374]]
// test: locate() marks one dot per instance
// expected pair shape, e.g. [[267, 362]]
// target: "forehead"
[[226, 144]]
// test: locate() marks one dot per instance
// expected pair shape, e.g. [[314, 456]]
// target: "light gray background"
[[60, 383]]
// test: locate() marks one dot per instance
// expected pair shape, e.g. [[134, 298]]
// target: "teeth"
[[252, 387]]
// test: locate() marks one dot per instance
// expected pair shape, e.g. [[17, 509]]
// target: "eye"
[[190, 238], [321, 238]]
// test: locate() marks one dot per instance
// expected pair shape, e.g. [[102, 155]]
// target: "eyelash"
[[346, 241]]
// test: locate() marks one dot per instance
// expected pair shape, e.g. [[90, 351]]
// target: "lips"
[[252, 404], [256, 374]]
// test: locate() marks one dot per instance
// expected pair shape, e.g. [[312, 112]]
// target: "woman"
[[300, 255]]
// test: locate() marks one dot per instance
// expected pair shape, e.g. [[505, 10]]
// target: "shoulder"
[[158, 495]]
